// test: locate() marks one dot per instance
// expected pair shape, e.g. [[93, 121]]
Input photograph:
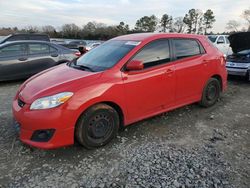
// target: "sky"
[[22, 13]]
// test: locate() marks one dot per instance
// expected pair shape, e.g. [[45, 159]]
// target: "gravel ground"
[[187, 147]]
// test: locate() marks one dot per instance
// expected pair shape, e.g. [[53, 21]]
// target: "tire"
[[97, 126], [211, 93]]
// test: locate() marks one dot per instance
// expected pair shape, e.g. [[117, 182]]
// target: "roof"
[[146, 36], [24, 41]]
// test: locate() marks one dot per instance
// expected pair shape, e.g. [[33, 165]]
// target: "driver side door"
[[151, 90]]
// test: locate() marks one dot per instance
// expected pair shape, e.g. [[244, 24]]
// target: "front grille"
[[20, 103]]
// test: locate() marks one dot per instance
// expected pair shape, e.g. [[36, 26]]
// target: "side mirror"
[[134, 65]]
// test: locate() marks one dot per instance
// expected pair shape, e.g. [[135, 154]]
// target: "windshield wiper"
[[83, 67]]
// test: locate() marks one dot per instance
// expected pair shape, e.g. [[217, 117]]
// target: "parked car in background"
[[239, 62], [124, 80], [25, 36], [221, 42], [92, 45], [21, 59]]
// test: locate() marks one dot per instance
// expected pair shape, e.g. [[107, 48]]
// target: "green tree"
[[122, 28], [208, 20], [166, 22], [146, 24]]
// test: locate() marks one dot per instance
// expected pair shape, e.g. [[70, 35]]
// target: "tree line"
[[194, 21]]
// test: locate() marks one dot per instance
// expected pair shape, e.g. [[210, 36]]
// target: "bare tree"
[[233, 25], [246, 16], [179, 26]]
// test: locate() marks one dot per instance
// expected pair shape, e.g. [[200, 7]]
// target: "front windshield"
[[106, 55], [212, 38]]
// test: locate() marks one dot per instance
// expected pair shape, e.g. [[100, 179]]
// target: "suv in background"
[[25, 36], [222, 43], [22, 59]]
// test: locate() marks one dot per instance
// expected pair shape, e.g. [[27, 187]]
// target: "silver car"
[[22, 59], [239, 62]]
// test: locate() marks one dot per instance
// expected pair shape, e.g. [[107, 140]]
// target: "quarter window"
[[13, 50], [155, 53], [186, 48], [38, 49]]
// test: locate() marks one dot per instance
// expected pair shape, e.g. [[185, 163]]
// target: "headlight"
[[51, 101]]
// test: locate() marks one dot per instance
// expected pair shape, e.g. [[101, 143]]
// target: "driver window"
[[154, 53]]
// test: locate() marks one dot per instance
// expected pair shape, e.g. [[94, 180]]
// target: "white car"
[[222, 43], [92, 45]]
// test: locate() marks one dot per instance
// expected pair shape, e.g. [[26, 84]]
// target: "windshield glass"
[[106, 55], [212, 38]]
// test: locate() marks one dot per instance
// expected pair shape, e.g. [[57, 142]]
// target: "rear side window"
[[13, 50], [38, 49], [155, 53], [186, 48]]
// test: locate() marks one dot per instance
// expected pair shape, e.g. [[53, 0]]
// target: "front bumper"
[[237, 71], [58, 119]]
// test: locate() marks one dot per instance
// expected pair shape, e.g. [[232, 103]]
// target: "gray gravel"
[[188, 147]]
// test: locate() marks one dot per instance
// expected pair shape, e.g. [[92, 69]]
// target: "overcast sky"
[[22, 13]]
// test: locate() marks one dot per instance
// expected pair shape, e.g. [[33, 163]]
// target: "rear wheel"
[[97, 126], [211, 93]]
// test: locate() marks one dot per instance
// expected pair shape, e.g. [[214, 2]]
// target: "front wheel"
[[211, 93], [97, 126]]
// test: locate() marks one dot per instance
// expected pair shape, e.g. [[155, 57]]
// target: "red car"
[[122, 81]]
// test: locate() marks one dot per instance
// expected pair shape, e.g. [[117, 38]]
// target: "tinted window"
[[106, 55], [38, 49], [13, 50], [155, 53], [186, 48], [227, 41]]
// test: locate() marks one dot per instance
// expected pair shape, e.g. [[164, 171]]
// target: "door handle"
[[22, 58]]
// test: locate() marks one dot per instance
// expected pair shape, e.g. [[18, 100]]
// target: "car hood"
[[239, 41], [58, 79]]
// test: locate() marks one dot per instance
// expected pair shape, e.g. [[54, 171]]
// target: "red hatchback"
[[124, 80]]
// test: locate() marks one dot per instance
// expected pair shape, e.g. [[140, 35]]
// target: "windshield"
[[106, 55], [212, 38]]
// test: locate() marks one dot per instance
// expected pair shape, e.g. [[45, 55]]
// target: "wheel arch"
[[113, 104], [219, 78]]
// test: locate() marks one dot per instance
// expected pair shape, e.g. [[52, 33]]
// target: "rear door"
[[13, 61], [150, 90], [41, 56], [190, 69]]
